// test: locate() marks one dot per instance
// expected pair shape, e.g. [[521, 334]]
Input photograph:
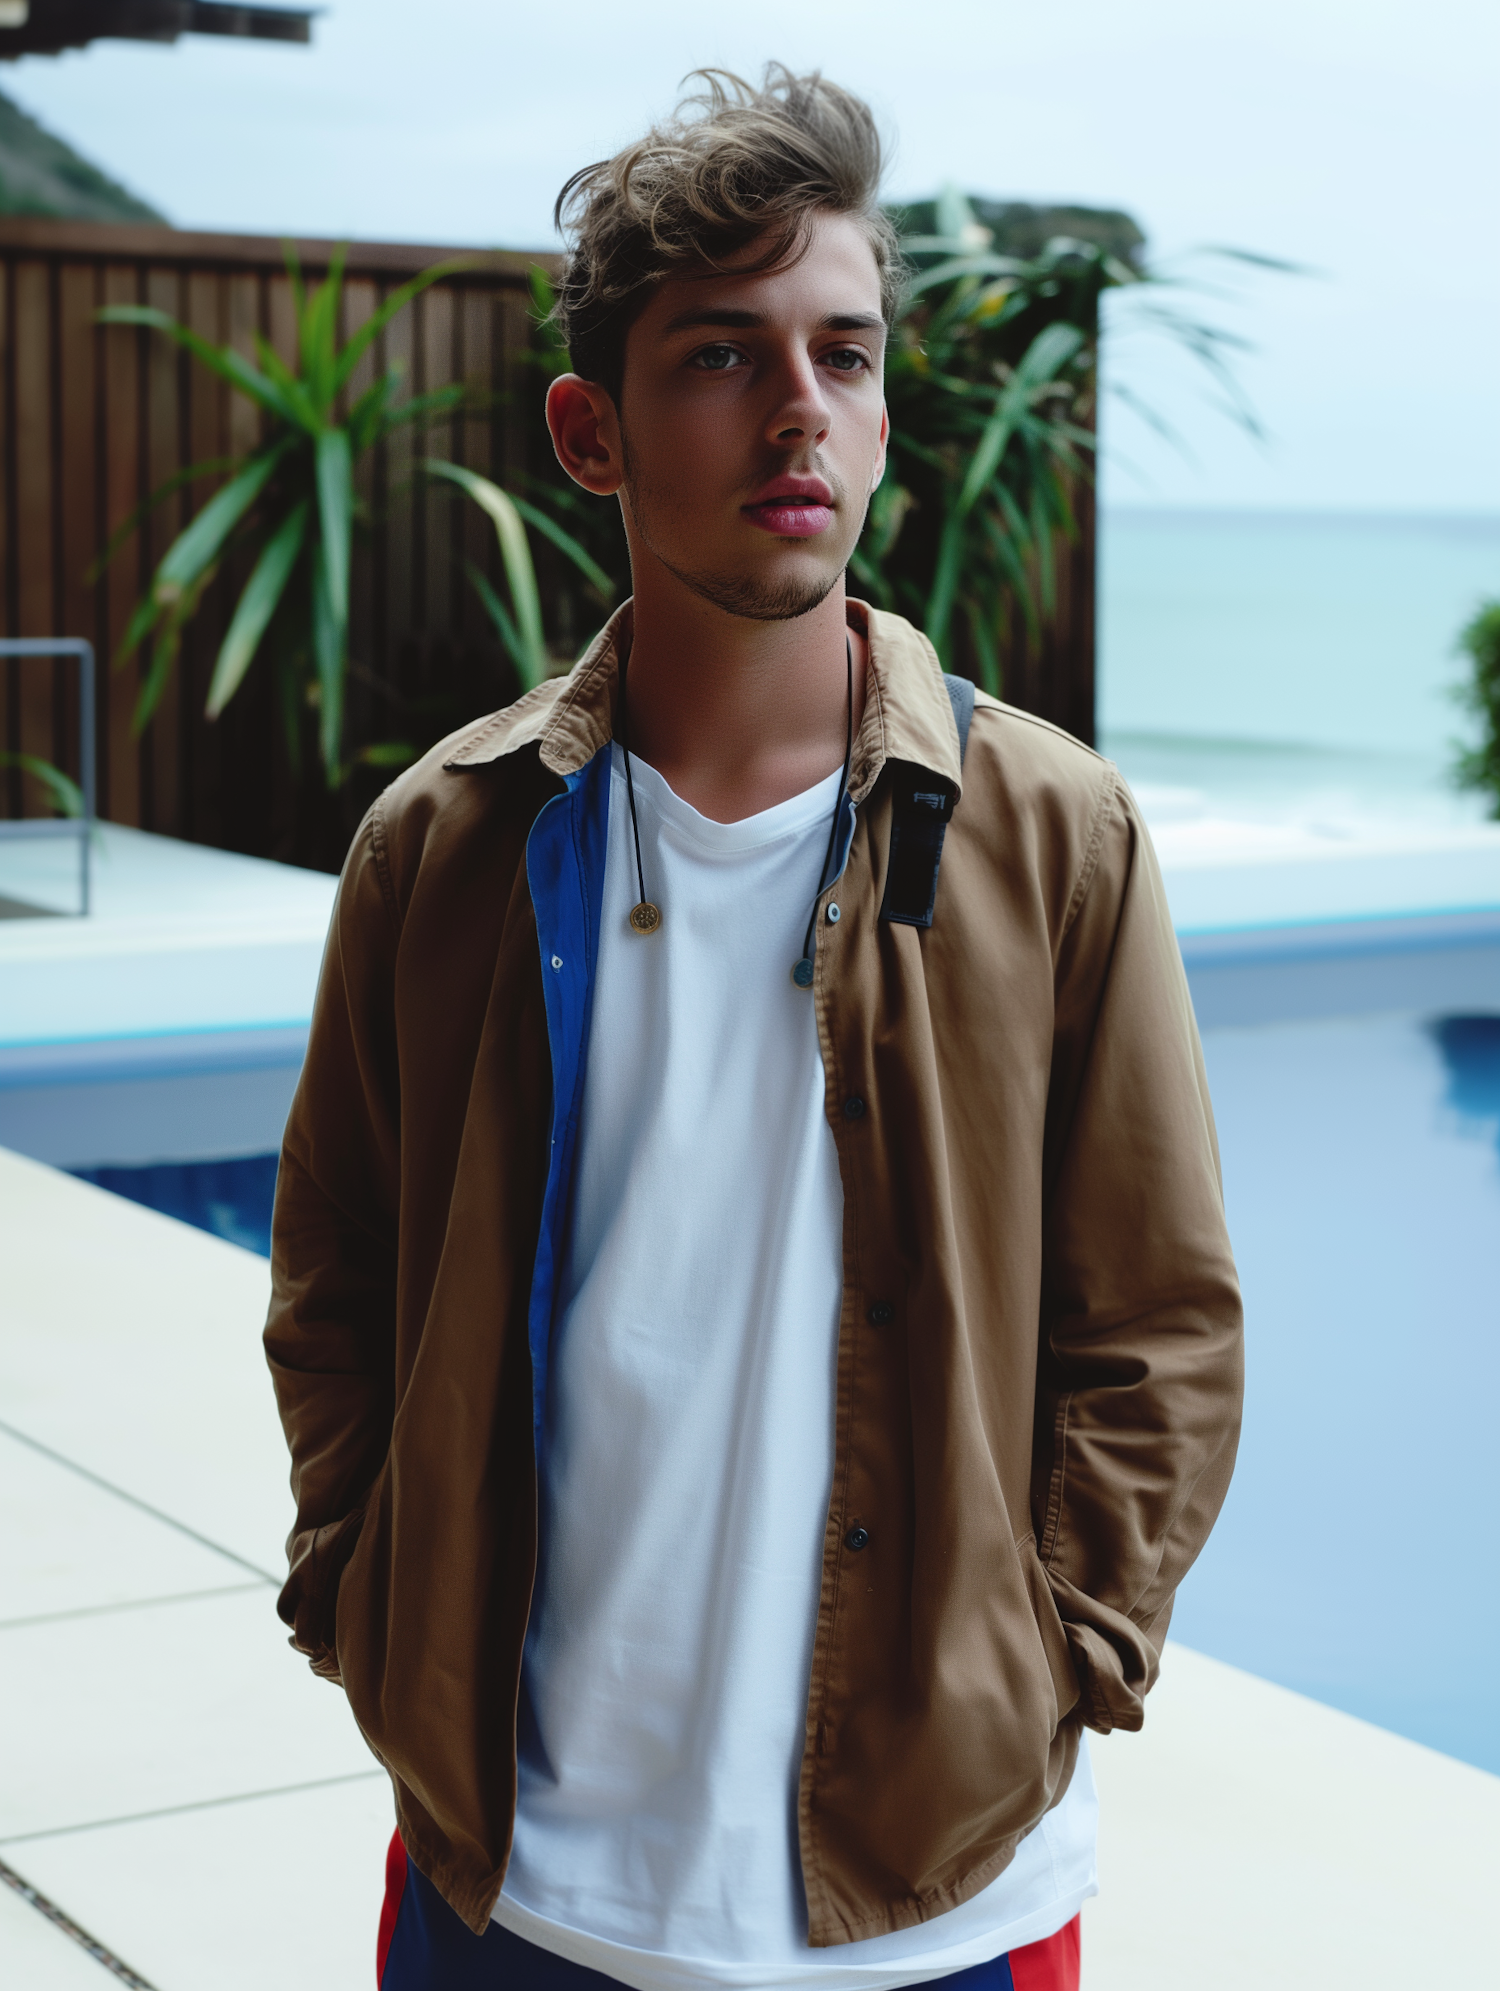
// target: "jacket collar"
[[907, 715]]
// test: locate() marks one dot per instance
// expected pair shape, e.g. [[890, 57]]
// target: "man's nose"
[[800, 412]]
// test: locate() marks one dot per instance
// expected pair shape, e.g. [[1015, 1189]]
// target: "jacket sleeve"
[[1139, 1408], [330, 1334]]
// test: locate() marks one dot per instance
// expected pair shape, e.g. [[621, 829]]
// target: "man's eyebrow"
[[749, 321]]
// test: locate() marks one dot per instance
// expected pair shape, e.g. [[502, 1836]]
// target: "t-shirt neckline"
[[793, 817]]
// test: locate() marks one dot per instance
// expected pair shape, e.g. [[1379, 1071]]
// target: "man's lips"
[[790, 518], [795, 505]]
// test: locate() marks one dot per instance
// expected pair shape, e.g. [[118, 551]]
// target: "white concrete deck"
[[182, 939], [182, 1788], [174, 1778], [170, 1024], [1309, 907]]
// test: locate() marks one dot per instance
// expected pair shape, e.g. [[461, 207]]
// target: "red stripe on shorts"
[[390, 1908], [1052, 1965]]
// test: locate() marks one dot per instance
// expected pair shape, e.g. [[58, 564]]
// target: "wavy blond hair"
[[732, 163]]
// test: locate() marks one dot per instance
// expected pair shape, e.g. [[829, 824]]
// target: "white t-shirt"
[[689, 1455]]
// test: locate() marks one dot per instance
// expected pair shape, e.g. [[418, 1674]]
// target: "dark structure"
[[1023, 229], [47, 27]]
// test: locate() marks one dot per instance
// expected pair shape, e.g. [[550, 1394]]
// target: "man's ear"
[[586, 433], [885, 436]]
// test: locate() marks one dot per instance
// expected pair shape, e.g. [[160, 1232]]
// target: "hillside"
[[39, 174]]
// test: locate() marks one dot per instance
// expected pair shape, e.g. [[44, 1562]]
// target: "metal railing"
[[81, 827]]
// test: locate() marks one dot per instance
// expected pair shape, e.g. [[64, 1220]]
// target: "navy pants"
[[424, 1946]]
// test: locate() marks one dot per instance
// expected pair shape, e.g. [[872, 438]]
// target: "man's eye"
[[716, 359], [845, 359]]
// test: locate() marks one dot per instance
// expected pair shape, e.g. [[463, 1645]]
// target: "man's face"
[[753, 425]]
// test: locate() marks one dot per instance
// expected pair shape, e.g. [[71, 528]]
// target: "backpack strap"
[[960, 692], [920, 813]]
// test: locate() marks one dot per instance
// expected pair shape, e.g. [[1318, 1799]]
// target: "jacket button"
[[854, 1107], [833, 915], [857, 1539], [881, 1313]]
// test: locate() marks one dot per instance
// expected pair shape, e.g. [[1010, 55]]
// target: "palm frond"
[[229, 365], [214, 466], [203, 540], [66, 795], [361, 340], [992, 383], [328, 638], [257, 604], [335, 480], [528, 649]]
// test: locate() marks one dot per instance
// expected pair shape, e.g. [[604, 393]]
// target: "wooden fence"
[[93, 418]]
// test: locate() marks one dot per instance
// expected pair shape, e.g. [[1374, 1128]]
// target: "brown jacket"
[[1039, 1350]]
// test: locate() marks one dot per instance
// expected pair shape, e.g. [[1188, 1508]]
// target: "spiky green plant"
[[1479, 766], [991, 379], [989, 382], [61, 790], [519, 627], [290, 506]]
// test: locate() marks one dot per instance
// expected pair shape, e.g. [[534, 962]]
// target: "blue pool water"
[[1356, 1557], [230, 1198]]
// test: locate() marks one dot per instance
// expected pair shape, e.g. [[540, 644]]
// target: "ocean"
[[1283, 664]]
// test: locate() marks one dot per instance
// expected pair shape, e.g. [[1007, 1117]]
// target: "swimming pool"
[[230, 1198], [1356, 1558]]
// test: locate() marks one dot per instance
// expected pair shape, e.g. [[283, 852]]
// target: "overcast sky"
[[1358, 137]]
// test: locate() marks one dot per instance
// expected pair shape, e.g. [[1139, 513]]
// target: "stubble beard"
[[737, 594], [757, 601]]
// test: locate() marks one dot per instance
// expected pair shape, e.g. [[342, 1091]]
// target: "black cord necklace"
[[646, 917], [802, 973]]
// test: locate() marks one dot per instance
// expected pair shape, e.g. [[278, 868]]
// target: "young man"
[[756, 1365]]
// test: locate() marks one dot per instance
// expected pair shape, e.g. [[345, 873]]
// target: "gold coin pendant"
[[645, 917]]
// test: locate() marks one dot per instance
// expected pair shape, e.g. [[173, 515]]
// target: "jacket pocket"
[[353, 1609], [1065, 1684], [309, 1596]]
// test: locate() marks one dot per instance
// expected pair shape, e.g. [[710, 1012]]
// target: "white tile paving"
[[275, 1894], [1250, 1837], [142, 1665], [173, 1704], [67, 1545], [35, 1956], [130, 1344]]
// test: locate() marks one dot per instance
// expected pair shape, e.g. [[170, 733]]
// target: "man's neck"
[[735, 714]]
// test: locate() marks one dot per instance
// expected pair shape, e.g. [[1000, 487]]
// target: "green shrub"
[[1479, 766]]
